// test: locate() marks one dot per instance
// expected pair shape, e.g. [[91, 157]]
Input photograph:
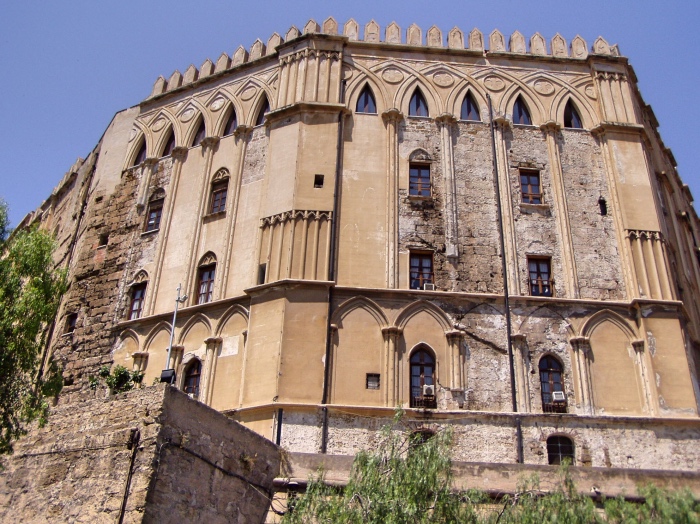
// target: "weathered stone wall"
[[188, 463]]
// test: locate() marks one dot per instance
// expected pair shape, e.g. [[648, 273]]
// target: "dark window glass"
[[169, 145], [199, 135], [422, 374], [560, 449], [219, 191], [421, 270], [205, 284], [138, 294], [141, 156], [318, 181], [192, 376], [603, 205], [372, 381], [155, 211], [231, 124], [571, 117], [419, 180], [530, 187], [366, 103], [521, 115], [550, 381], [470, 111], [262, 270], [540, 277], [418, 106], [265, 109]]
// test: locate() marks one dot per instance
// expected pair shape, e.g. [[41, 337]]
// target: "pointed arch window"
[[418, 106], [169, 144], [193, 373], [265, 109], [552, 389], [200, 134], [571, 116], [205, 279], [470, 109], [141, 155], [231, 123], [155, 211], [366, 102], [423, 380], [521, 114], [219, 192]]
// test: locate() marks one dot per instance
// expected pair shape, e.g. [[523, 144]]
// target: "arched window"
[[169, 144], [553, 398], [219, 192], [200, 134], [205, 278], [366, 102], [560, 449], [470, 110], [423, 380], [231, 123], [141, 155], [418, 106], [521, 114], [193, 373], [264, 109], [155, 210], [571, 116]]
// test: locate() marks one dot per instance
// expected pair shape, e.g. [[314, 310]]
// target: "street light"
[[168, 374]]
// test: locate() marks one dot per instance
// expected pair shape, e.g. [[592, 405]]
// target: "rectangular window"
[[138, 293], [540, 276], [419, 180], [155, 211], [71, 320], [530, 186], [262, 270], [219, 192], [372, 381], [421, 270], [318, 181], [205, 284]]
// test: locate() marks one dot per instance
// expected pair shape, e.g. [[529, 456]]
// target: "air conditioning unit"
[[558, 396], [428, 390], [429, 287]]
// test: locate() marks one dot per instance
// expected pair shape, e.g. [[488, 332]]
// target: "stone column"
[[446, 124], [176, 359], [392, 119], [648, 387], [522, 367], [582, 352], [209, 369], [391, 347], [561, 210], [455, 340]]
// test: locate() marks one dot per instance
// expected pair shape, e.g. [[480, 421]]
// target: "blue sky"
[[69, 66]]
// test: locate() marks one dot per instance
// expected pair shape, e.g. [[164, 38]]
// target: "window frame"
[[208, 271], [217, 202], [155, 208], [368, 96], [573, 117], [231, 118], [549, 382], [200, 134], [523, 112], [417, 370], [422, 276], [416, 183], [169, 144], [417, 111], [527, 196], [469, 98], [194, 375], [136, 303], [546, 286], [555, 445]]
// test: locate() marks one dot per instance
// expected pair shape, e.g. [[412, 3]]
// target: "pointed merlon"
[[330, 26], [240, 56], [414, 35], [455, 38], [311, 27], [159, 86], [538, 46], [497, 44], [351, 29], [601, 47], [257, 50], [372, 32], [517, 43], [274, 41], [559, 46], [579, 48], [223, 63], [434, 37], [175, 80], [207, 69], [291, 34], [392, 34], [191, 74], [476, 40]]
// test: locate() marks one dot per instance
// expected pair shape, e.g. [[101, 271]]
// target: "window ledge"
[[363, 113], [417, 199], [539, 209], [420, 117], [149, 233], [527, 126], [211, 217]]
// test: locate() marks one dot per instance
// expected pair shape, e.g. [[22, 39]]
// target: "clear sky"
[[69, 66]]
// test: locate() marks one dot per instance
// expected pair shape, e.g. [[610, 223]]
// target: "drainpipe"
[[504, 270]]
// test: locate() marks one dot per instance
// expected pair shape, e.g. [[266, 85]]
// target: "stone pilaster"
[[392, 369], [392, 119], [582, 354], [522, 368], [446, 124]]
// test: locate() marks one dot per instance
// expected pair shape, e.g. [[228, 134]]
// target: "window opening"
[[138, 294], [219, 192], [530, 186], [540, 277], [141, 155], [372, 381], [265, 109], [603, 206], [200, 134], [169, 145], [154, 214], [553, 398], [470, 111], [366, 102], [571, 116], [206, 284], [318, 181], [419, 180], [71, 320], [103, 240], [192, 376], [421, 270], [231, 124], [262, 269], [423, 380], [521, 115], [559, 450], [418, 105]]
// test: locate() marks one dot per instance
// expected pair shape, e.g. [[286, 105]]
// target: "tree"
[[30, 293]]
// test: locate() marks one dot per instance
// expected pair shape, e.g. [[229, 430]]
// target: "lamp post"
[[168, 374]]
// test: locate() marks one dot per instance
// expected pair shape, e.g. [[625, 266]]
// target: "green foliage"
[[405, 480], [118, 380], [30, 293]]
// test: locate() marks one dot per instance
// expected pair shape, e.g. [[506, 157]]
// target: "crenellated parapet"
[[456, 39]]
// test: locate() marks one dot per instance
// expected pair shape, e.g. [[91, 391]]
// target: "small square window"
[[421, 272], [419, 180], [318, 181], [540, 276], [372, 381], [155, 212], [530, 186]]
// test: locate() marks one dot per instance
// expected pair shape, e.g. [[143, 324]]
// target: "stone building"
[[335, 210]]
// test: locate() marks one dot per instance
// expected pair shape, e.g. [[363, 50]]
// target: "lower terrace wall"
[[189, 464]]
